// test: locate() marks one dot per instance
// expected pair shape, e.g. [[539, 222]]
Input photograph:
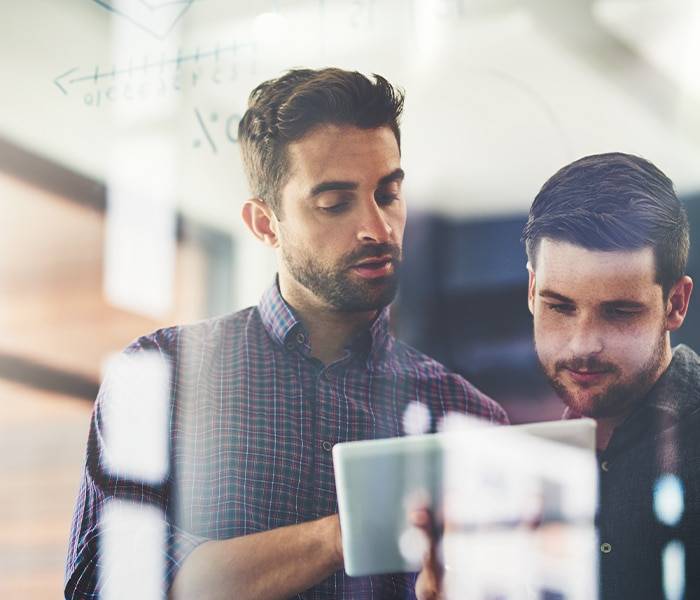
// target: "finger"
[[420, 518], [427, 588]]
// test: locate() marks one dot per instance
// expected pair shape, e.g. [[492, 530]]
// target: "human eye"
[[386, 199], [336, 208], [620, 313], [335, 203], [387, 196], [561, 308]]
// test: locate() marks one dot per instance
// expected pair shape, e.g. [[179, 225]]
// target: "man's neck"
[[330, 333], [329, 330]]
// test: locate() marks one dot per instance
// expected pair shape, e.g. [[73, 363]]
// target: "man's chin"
[[368, 295], [601, 405], [577, 405], [361, 302], [585, 402], [366, 303]]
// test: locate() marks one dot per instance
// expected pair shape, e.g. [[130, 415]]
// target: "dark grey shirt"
[[661, 437]]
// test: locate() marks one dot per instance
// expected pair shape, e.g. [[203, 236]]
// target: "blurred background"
[[121, 185]]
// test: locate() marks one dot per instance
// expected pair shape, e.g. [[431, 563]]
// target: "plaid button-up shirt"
[[252, 420]]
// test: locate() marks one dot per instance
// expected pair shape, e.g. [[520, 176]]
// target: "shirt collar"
[[671, 398], [676, 391], [277, 316], [285, 328], [373, 342], [379, 331]]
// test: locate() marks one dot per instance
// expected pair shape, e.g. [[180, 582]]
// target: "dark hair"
[[613, 201], [285, 109]]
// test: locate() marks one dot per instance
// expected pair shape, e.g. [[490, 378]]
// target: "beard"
[[618, 396], [335, 285]]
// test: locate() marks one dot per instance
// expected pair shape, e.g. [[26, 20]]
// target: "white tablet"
[[377, 480]]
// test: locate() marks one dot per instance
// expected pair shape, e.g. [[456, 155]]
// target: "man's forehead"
[[329, 150], [562, 266], [553, 253]]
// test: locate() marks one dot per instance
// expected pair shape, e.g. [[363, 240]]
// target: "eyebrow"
[[624, 304], [610, 303], [334, 186], [395, 175], [554, 296]]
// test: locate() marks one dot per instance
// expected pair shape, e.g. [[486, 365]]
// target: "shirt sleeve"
[[473, 401], [86, 570]]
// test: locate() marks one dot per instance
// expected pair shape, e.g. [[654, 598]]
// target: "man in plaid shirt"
[[259, 397]]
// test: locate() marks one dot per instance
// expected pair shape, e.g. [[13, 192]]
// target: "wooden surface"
[[42, 444], [53, 313]]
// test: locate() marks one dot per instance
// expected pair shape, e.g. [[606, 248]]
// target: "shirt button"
[[301, 338], [605, 548], [604, 465], [289, 346], [327, 446]]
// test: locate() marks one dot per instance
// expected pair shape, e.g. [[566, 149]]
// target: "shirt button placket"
[[326, 430], [605, 547]]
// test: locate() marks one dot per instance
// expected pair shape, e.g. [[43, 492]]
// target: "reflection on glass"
[[132, 538], [668, 499], [673, 562], [135, 420], [519, 517]]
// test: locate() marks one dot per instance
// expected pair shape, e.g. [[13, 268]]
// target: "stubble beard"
[[334, 284], [616, 398]]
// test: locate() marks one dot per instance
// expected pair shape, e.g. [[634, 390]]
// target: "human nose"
[[585, 337], [374, 226]]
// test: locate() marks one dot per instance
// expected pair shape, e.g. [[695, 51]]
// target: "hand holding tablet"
[[482, 476]]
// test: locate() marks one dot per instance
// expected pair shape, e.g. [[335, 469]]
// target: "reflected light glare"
[[132, 540], [416, 418], [668, 499], [413, 544], [135, 417], [140, 236], [673, 565]]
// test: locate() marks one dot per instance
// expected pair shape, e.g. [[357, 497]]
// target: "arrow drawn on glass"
[[57, 81]]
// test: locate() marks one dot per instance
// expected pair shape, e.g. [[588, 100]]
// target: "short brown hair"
[[283, 110], [613, 201]]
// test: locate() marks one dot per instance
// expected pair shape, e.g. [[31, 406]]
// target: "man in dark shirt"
[[259, 397], [607, 244]]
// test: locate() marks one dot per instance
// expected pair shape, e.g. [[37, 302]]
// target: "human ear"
[[531, 289], [261, 221], [677, 303]]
